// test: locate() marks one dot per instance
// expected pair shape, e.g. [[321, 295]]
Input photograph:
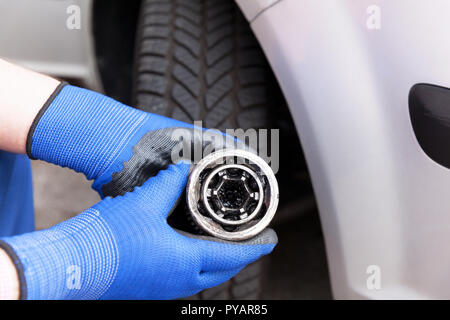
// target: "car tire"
[[199, 60]]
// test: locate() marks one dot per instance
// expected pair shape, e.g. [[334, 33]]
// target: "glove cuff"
[[82, 129], [76, 259], [39, 116]]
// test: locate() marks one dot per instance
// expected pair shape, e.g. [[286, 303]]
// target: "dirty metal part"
[[232, 194]]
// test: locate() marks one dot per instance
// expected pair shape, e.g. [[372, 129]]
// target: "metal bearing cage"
[[232, 194]]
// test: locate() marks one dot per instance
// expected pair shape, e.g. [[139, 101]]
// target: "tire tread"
[[198, 59]]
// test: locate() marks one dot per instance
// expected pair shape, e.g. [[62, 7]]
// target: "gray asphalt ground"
[[296, 269], [59, 193]]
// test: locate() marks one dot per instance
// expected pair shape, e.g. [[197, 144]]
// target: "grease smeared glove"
[[123, 248], [116, 145]]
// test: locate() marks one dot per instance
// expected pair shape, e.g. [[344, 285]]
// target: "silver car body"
[[41, 35]]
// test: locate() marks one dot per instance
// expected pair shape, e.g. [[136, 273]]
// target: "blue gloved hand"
[[116, 145], [123, 248]]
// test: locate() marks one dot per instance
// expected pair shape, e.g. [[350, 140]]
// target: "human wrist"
[[22, 94], [9, 280]]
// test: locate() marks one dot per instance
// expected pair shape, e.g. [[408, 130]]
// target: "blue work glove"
[[116, 145], [123, 248]]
